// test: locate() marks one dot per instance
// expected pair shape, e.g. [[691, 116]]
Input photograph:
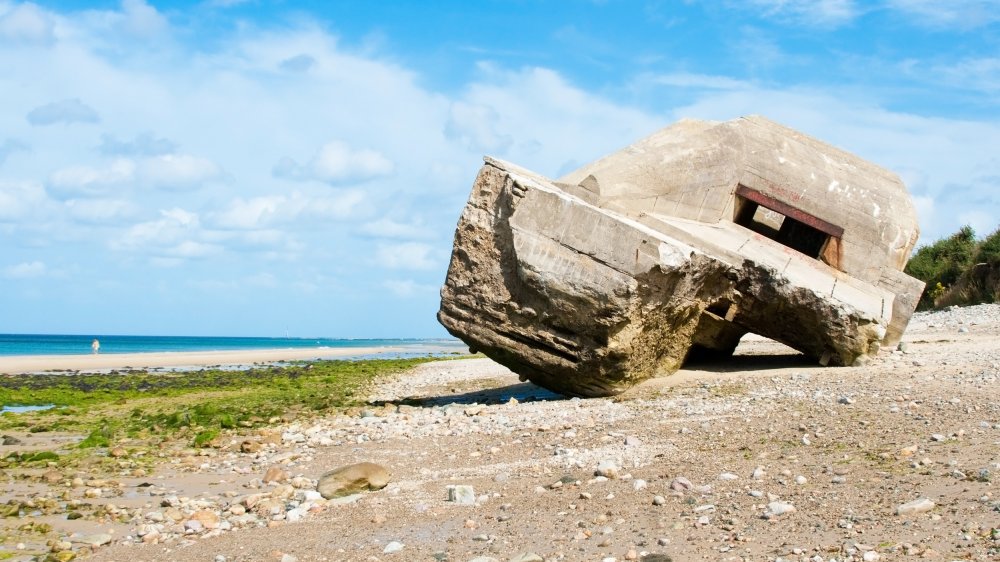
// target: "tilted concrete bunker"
[[681, 243]]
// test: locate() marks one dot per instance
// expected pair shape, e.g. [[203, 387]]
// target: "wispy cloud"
[[10, 146], [695, 81], [65, 111], [143, 144], [389, 228], [979, 74], [962, 14], [25, 270], [819, 13]]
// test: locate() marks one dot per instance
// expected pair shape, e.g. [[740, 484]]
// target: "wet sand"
[[92, 362]]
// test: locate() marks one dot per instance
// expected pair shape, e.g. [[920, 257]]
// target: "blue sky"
[[245, 167]]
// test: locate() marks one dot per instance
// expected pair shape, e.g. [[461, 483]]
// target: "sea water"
[[54, 344]]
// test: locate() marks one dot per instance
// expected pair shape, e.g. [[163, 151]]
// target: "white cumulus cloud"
[[389, 228], [405, 255], [177, 172], [26, 23], [173, 238], [474, 125], [85, 181], [271, 210], [337, 162], [405, 288], [100, 211], [20, 200], [169, 172]]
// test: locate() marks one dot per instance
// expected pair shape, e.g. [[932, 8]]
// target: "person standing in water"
[[95, 346]]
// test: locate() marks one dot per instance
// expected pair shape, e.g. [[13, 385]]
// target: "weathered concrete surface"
[[687, 239]]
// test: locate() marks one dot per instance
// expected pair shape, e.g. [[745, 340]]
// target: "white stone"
[[777, 508], [392, 547], [920, 505], [608, 469]]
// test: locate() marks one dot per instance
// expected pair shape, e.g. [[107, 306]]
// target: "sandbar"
[[102, 361]]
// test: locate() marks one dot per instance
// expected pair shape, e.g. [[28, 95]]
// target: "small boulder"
[[52, 477], [608, 469], [921, 505], [275, 474], [778, 508], [208, 519], [392, 547], [352, 479], [98, 539]]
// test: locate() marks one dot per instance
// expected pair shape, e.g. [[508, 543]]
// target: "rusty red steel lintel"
[[789, 211]]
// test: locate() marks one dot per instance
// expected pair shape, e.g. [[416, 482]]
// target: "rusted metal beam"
[[789, 211]]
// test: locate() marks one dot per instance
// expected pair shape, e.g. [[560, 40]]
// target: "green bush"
[[989, 249], [943, 262]]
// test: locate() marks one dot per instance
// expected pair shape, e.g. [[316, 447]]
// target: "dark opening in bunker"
[[788, 226]]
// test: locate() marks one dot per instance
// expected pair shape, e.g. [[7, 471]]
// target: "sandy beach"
[[94, 362], [765, 457]]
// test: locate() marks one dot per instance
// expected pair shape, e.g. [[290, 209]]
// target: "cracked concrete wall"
[[691, 170]]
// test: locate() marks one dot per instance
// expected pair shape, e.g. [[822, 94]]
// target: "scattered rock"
[[778, 508], [608, 469], [99, 539], [208, 519], [680, 484], [352, 479], [275, 474], [462, 494], [920, 505]]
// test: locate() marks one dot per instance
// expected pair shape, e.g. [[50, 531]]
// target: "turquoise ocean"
[[54, 344]]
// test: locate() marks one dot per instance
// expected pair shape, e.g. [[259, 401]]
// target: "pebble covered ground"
[[765, 457]]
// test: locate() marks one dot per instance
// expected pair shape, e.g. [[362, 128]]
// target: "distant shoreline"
[[14, 364]]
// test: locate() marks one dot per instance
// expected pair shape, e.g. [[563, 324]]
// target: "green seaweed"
[[204, 438], [157, 406]]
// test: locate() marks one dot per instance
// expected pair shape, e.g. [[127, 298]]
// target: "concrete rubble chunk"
[[677, 246], [461, 494]]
